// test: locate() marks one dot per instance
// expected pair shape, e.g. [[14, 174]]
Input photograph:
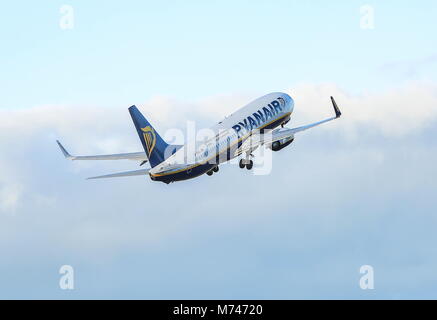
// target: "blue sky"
[[120, 53], [355, 192]]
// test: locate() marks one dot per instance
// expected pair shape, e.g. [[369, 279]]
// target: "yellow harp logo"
[[150, 138]]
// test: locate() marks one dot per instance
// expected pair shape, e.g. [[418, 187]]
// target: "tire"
[[216, 169], [209, 173], [250, 165], [242, 165]]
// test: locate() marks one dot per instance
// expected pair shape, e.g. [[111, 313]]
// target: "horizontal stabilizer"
[[138, 156], [141, 172]]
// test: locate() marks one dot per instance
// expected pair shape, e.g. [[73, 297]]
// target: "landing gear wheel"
[[209, 173], [216, 169], [249, 166], [242, 165]]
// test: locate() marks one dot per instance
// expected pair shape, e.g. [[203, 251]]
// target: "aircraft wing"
[[138, 156], [140, 172], [309, 126], [256, 140]]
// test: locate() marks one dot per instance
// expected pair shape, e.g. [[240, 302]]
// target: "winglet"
[[337, 110], [64, 151]]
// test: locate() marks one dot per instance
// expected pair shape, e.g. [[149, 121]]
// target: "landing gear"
[[212, 171], [246, 163]]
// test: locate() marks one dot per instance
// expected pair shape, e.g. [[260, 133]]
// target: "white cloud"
[[324, 199], [393, 113], [10, 195]]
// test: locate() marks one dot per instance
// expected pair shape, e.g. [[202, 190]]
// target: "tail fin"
[[156, 148]]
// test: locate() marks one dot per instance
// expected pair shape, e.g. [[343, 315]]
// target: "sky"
[[357, 191]]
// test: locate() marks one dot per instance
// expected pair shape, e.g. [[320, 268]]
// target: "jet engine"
[[281, 144]]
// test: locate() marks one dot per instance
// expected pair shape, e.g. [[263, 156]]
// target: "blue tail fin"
[[156, 148]]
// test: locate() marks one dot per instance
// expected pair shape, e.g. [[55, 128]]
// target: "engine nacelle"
[[281, 144]]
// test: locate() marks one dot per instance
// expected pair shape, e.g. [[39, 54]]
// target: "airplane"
[[261, 122]]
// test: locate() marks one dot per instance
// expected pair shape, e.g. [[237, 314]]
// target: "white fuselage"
[[266, 112]]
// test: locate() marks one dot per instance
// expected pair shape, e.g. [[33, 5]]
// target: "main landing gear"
[[212, 171], [246, 163]]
